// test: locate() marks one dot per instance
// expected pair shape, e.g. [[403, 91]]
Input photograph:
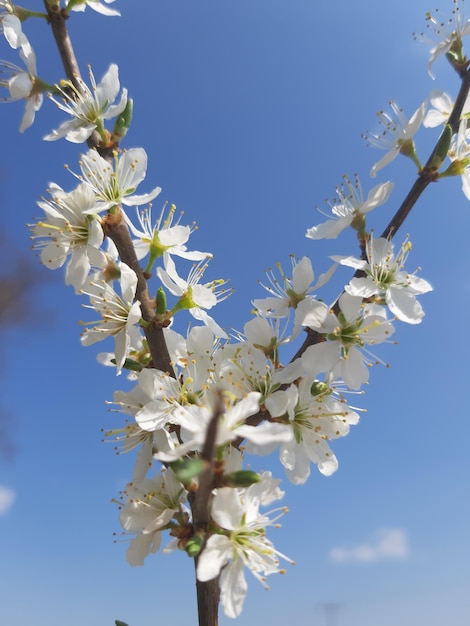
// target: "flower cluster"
[[199, 402]]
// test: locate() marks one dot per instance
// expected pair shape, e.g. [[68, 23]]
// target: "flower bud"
[[161, 301], [122, 123], [194, 545], [186, 470], [442, 148], [242, 478]]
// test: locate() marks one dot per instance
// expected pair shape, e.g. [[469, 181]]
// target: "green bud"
[[242, 478], [161, 301], [442, 148], [130, 364], [194, 545], [319, 388], [186, 470], [122, 123]]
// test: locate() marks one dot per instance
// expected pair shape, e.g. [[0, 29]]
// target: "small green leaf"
[[187, 469]]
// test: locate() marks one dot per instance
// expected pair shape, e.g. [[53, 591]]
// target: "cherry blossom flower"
[[23, 84], [449, 39], [162, 238], [241, 541], [386, 280], [88, 107], [96, 5], [115, 186], [289, 293], [195, 419], [248, 369], [68, 231], [151, 504], [194, 297], [346, 334], [118, 313], [397, 137], [350, 209], [315, 417], [442, 106]]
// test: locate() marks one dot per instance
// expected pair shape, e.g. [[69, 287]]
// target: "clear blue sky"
[[251, 111]]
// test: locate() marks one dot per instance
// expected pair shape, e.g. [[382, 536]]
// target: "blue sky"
[[250, 111]]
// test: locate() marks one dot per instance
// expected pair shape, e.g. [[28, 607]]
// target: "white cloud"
[[7, 497], [386, 543]]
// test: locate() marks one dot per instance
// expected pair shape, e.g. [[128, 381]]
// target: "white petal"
[[404, 305], [329, 229], [233, 589], [215, 555]]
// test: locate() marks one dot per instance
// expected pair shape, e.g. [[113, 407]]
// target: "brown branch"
[[56, 18], [427, 174], [117, 230], [208, 593]]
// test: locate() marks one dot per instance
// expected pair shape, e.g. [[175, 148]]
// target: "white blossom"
[[22, 84], [162, 238], [241, 541], [150, 506], [192, 296], [386, 280], [347, 334], [68, 231], [397, 136], [449, 35], [88, 107], [118, 313], [350, 208], [81, 5], [289, 293], [116, 185], [315, 417]]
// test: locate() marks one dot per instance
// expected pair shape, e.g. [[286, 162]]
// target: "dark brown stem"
[[56, 18], [208, 593], [117, 230]]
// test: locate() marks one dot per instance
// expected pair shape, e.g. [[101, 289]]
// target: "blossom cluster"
[[220, 395]]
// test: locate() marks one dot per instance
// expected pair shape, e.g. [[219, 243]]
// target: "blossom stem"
[[59, 30], [208, 592], [56, 18], [428, 174], [117, 230]]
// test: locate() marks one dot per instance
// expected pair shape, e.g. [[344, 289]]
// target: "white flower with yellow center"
[[116, 185], [69, 232], [88, 107], [350, 208], [118, 313], [241, 541], [343, 353], [386, 281], [397, 136], [193, 297]]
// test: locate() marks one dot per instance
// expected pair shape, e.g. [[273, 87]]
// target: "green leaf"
[[187, 469]]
